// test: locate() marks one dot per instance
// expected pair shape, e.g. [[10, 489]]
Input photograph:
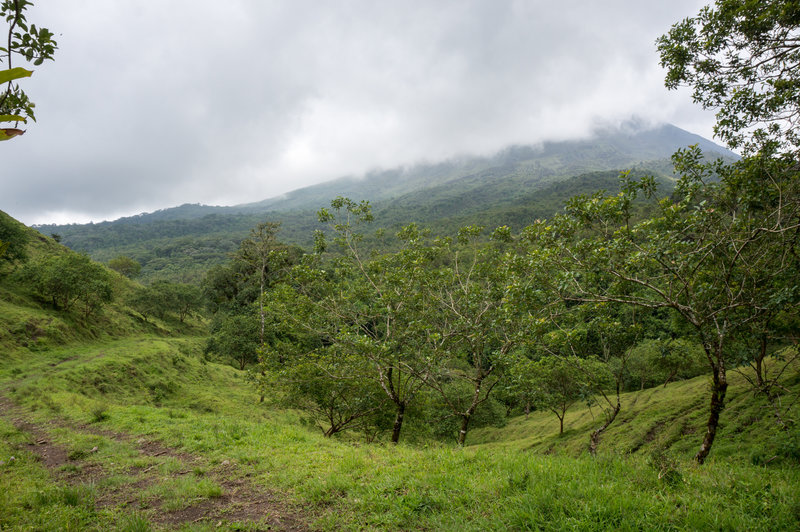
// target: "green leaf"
[[12, 118], [14, 73]]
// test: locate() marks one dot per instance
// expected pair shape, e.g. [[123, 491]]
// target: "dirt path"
[[240, 500]]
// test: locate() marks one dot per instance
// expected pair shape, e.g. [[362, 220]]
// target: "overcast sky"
[[151, 104]]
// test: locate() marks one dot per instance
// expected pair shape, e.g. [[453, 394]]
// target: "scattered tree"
[[70, 279], [125, 265], [235, 336]]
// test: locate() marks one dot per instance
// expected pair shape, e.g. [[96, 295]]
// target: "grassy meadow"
[[151, 431]]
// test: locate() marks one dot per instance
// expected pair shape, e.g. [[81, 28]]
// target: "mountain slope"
[[513, 187], [30, 324]]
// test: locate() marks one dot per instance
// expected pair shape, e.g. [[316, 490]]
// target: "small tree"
[[163, 297], [660, 361], [560, 382], [464, 328], [70, 279], [187, 299], [235, 336], [126, 266], [259, 252]]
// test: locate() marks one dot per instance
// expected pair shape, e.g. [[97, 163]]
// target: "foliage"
[[126, 266], [373, 318], [163, 297], [556, 383], [14, 240], [741, 57], [660, 361], [235, 336], [68, 279], [717, 253], [464, 325], [33, 45]]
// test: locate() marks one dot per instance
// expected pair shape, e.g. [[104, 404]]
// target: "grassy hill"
[[29, 323], [143, 433], [661, 419]]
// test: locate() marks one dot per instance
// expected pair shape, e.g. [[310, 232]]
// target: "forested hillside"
[[514, 187]]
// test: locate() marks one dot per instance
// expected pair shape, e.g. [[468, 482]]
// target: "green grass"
[[30, 500], [162, 389], [178, 493], [671, 417]]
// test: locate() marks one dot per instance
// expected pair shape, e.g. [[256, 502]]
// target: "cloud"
[[153, 104]]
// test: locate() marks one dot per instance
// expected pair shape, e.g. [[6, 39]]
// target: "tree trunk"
[[719, 386], [760, 377], [594, 439], [462, 434], [398, 422], [261, 306], [671, 376], [476, 400]]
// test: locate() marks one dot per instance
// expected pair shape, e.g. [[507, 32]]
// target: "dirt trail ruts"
[[240, 501]]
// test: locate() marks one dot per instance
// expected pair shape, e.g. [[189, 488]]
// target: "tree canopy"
[[742, 58]]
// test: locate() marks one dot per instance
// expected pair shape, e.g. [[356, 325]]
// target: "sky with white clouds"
[[154, 104]]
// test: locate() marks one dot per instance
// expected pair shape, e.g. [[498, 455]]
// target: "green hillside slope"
[[29, 323], [160, 437], [662, 419], [116, 424]]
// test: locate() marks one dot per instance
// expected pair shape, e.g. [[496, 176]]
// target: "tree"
[[309, 362], [235, 336], [465, 328], [33, 45], [324, 384], [162, 297], [125, 265], [719, 254], [259, 252], [659, 361], [360, 306], [559, 382], [556, 324], [145, 302], [69, 279], [187, 299], [741, 57]]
